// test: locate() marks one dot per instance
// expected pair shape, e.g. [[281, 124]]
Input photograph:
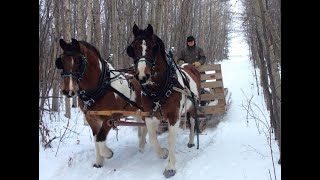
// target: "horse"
[[164, 88], [98, 87]]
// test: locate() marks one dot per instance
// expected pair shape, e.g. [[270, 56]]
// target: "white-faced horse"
[[162, 87]]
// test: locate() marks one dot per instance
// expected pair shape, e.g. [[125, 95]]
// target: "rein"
[[195, 105]]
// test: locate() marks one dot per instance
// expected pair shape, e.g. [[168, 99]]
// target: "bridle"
[[77, 74]]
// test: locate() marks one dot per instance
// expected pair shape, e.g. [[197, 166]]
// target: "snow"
[[237, 149]]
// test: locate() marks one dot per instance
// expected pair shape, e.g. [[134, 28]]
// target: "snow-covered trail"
[[233, 150]]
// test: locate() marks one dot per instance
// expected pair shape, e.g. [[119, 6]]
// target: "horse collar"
[[90, 96], [159, 96]]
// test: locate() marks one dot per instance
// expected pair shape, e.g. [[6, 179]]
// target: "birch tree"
[[67, 39]]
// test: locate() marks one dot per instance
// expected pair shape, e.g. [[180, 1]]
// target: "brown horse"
[[163, 86], [99, 87]]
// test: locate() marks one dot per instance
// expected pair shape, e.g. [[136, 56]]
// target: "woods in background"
[[262, 22], [107, 24]]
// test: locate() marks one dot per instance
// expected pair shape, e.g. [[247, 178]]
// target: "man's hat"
[[190, 38]]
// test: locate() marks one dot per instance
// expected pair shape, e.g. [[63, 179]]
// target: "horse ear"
[[76, 44], [135, 30], [63, 44], [130, 51], [150, 29]]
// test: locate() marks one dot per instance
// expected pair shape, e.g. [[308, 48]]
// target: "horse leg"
[[170, 169], [104, 150], [152, 126], [191, 135], [95, 126], [142, 132]]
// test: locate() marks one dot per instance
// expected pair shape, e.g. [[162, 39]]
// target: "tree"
[[264, 40], [67, 39], [55, 49]]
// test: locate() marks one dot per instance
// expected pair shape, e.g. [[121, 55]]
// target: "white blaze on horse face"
[[142, 64], [70, 81]]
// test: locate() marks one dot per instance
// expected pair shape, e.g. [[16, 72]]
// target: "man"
[[192, 54]]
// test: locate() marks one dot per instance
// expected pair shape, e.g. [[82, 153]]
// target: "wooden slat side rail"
[[211, 76], [213, 67], [209, 97], [123, 113], [213, 109], [213, 84], [220, 90]]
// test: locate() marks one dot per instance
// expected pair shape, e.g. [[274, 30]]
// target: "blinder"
[[130, 51], [59, 64], [82, 65]]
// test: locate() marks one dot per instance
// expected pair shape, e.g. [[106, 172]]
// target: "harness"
[[171, 83], [90, 96]]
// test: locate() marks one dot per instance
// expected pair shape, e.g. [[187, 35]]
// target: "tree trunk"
[[97, 25], [114, 34], [158, 17], [182, 32], [89, 21], [81, 30], [67, 39], [56, 37], [275, 107]]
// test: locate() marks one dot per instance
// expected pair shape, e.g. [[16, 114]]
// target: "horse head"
[[73, 65], [145, 50]]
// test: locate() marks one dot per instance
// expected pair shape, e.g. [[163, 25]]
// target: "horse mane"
[[161, 44], [91, 47]]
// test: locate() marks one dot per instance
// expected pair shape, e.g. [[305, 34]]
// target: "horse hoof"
[[165, 154], [106, 153], [97, 166], [169, 173], [190, 145], [110, 155], [141, 150]]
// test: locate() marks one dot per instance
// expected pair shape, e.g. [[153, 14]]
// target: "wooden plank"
[[213, 109], [209, 97], [214, 84], [220, 90], [123, 113], [209, 67], [211, 76]]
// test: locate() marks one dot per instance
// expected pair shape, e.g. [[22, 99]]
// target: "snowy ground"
[[234, 150]]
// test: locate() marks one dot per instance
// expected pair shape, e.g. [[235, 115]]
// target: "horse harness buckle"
[[168, 93], [88, 103], [157, 105]]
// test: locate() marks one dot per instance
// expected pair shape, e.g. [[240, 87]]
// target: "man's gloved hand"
[[196, 64], [180, 61]]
